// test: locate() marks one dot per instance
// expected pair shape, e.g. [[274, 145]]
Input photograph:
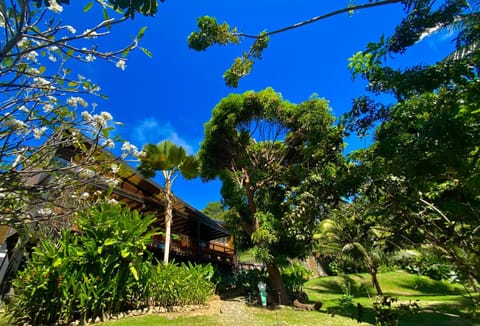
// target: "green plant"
[[388, 311], [86, 274], [294, 276], [173, 285]]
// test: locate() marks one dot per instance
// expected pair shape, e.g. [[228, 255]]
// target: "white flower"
[[23, 108], [16, 124], [44, 211], [106, 115], [139, 154], [85, 195], [52, 58], [121, 64], [32, 56], [38, 132], [71, 29], [99, 121], [33, 71], [90, 57], [47, 108], [42, 83], [111, 182], [86, 116], [55, 7], [128, 149], [76, 100], [109, 143], [115, 168], [52, 98], [112, 201]]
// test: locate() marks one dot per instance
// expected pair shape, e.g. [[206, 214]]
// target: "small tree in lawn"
[[172, 160]]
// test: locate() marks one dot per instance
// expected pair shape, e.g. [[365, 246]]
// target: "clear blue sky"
[[172, 95]]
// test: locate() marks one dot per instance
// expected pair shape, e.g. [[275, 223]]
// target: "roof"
[[147, 196]]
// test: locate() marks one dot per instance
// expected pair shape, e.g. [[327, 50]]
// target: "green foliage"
[[248, 279], [278, 164], [388, 311], [215, 210], [128, 8], [294, 276], [175, 285], [87, 274], [103, 269], [166, 156], [210, 33]]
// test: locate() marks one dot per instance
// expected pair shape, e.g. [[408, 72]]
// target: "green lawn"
[[441, 304]]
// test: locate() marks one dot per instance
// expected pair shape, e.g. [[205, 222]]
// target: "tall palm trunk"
[[373, 273], [168, 218]]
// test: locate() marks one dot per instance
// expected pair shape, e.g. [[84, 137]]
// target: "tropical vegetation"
[[100, 268]]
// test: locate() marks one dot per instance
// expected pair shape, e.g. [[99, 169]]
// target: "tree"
[[211, 33], [215, 210], [268, 153], [41, 106], [423, 167], [352, 233], [173, 161]]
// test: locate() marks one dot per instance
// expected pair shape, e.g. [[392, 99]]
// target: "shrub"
[[294, 276], [388, 311], [102, 269], [173, 285]]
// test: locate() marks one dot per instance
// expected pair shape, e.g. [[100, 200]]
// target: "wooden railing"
[[211, 252]]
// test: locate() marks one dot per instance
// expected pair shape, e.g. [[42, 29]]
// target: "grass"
[[441, 304]]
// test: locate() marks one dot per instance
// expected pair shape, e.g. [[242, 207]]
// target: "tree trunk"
[[376, 284], [168, 222], [277, 284]]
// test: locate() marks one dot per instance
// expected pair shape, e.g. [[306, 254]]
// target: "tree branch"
[[321, 17]]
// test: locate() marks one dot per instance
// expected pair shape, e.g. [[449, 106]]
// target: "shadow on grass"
[[429, 287], [351, 284], [459, 312]]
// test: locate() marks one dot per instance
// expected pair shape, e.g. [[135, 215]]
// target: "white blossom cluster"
[[130, 149]]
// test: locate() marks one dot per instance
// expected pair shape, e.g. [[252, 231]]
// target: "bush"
[[101, 270], [173, 285], [294, 276]]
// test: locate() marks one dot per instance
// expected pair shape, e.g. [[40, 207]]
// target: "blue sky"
[[171, 95]]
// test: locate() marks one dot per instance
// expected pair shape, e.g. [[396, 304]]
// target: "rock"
[[303, 306]]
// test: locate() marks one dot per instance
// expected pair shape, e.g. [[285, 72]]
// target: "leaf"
[[134, 272], [109, 242], [88, 7], [124, 253], [106, 17], [146, 51], [141, 32], [57, 262]]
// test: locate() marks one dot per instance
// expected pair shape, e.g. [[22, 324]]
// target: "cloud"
[[150, 130]]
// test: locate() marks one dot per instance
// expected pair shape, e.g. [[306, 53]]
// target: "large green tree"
[[423, 168], [278, 164], [172, 161]]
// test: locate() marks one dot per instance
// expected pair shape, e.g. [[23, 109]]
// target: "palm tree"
[[350, 233], [172, 160]]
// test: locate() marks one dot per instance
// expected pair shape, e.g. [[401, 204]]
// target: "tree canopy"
[[46, 107], [265, 150]]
